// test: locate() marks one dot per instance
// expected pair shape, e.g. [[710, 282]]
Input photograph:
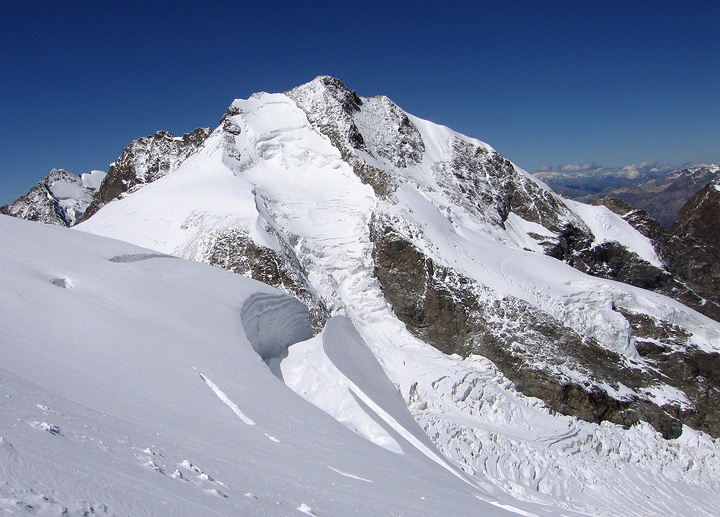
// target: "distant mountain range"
[[662, 197], [555, 352]]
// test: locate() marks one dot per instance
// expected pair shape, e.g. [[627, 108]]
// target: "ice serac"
[[472, 283], [60, 199]]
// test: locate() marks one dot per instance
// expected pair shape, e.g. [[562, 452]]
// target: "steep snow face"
[[609, 227], [405, 226], [267, 172], [60, 199], [129, 388]]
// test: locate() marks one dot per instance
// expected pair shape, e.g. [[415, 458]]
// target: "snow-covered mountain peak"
[[60, 199], [472, 283], [360, 209], [327, 91], [696, 172]]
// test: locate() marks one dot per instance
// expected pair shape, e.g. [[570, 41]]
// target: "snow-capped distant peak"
[[60, 199]]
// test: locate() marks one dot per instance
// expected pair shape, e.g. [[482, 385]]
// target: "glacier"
[[132, 389], [311, 182]]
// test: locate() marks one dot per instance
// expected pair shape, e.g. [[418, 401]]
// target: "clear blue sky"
[[544, 83]]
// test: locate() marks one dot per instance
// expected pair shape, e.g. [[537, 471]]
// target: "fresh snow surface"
[[309, 372], [133, 390], [281, 180], [608, 226]]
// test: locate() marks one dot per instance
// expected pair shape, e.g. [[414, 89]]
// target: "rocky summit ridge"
[[432, 242], [60, 199]]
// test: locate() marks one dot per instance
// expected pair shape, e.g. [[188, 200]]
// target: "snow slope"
[[270, 172], [130, 388]]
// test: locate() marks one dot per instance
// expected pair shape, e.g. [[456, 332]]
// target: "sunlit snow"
[[274, 175]]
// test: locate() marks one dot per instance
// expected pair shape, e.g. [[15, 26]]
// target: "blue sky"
[[552, 83]]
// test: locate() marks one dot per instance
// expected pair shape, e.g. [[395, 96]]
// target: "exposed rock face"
[[699, 217], [457, 315], [609, 260], [689, 250], [235, 251], [613, 260], [144, 161], [536, 351], [487, 185], [356, 126], [60, 199]]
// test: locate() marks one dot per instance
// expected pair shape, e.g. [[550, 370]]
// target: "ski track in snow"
[[226, 400], [84, 437], [348, 475]]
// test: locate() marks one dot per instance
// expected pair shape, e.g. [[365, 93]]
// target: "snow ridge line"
[[222, 396], [400, 429]]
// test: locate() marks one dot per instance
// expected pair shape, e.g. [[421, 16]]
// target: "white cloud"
[[629, 171], [589, 169], [578, 168]]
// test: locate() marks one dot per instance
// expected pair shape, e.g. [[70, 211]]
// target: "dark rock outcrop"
[[144, 161], [688, 250], [375, 126], [235, 251], [489, 187], [459, 316], [699, 217]]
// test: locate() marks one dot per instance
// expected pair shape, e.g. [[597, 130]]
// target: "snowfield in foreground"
[[131, 387], [128, 387]]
